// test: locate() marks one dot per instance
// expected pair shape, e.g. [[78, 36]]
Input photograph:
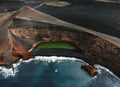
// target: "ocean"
[[53, 71]]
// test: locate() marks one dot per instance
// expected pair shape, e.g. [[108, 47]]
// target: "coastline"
[[86, 21]]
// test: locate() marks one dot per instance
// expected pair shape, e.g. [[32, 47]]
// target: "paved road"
[[98, 16]]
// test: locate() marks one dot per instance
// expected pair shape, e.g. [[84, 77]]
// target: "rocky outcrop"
[[92, 71]]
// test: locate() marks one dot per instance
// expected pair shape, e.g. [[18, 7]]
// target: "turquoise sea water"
[[55, 71]]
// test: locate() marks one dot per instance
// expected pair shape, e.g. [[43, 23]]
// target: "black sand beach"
[[58, 52]]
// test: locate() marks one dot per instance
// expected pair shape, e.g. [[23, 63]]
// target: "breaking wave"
[[53, 71]]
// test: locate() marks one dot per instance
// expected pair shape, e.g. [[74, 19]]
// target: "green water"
[[63, 45]]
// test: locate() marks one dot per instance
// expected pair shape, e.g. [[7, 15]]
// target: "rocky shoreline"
[[76, 53]]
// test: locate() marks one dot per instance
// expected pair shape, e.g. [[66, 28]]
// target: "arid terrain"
[[93, 15], [98, 15]]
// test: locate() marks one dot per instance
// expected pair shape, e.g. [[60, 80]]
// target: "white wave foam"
[[52, 59], [6, 72], [56, 70], [12, 71], [99, 67]]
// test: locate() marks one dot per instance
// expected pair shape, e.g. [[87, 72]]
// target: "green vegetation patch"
[[60, 45]]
